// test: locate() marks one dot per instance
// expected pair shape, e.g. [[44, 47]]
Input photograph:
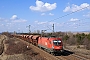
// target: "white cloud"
[[87, 15], [1, 24], [43, 7], [51, 14], [14, 17], [12, 24], [20, 20], [66, 9], [47, 14], [46, 23], [74, 19], [2, 19], [74, 7], [37, 22], [43, 14]]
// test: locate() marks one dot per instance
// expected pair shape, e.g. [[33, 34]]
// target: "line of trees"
[[78, 39]]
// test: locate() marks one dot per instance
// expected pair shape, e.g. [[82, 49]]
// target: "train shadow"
[[65, 53]]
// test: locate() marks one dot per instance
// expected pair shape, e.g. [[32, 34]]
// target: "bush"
[[7, 34], [78, 46]]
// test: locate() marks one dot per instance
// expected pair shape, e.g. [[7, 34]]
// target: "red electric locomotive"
[[53, 45]]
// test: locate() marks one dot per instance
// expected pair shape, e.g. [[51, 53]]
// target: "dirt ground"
[[81, 50], [14, 49]]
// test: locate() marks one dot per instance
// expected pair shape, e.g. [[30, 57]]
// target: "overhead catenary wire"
[[69, 14]]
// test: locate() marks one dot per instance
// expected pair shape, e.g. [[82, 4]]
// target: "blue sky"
[[17, 15]]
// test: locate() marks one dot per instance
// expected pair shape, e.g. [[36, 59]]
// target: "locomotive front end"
[[57, 46]]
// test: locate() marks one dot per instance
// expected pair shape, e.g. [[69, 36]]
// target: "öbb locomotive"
[[52, 45]]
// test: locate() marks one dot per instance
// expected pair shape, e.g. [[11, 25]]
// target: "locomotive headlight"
[[55, 41], [59, 41]]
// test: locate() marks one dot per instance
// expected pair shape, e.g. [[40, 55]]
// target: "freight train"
[[52, 45]]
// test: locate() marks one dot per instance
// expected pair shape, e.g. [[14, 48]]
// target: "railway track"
[[70, 56]]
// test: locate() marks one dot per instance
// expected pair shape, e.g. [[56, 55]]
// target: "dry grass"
[[17, 50]]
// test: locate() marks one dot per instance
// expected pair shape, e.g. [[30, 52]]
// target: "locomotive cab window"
[[57, 42]]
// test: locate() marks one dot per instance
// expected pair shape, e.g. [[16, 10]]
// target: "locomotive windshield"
[[57, 42]]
